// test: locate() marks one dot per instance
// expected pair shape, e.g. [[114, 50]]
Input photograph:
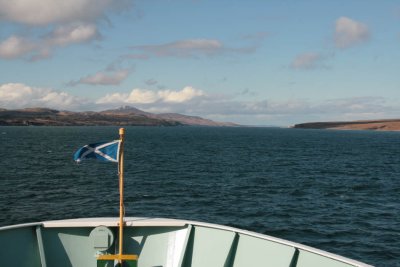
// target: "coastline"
[[123, 116], [372, 125]]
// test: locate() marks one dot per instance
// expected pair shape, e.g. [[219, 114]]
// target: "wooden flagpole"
[[121, 191], [120, 256]]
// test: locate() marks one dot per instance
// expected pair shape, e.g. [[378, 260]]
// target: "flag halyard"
[[104, 151]]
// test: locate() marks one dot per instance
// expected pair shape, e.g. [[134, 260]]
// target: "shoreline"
[[370, 125]]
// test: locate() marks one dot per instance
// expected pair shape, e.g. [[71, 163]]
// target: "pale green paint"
[[157, 246], [69, 247], [40, 246], [307, 259], [209, 247], [253, 251], [18, 247]]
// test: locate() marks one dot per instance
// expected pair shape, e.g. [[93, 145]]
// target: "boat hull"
[[157, 242]]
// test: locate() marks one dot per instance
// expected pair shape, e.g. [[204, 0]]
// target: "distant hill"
[[193, 120], [123, 116], [379, 125], [125, 110]]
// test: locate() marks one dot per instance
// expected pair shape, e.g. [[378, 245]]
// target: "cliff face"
[[379, 125], [124, 116]]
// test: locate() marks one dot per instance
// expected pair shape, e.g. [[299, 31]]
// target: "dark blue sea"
[[335, 190]]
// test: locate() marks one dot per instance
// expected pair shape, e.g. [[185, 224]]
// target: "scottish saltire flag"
[[105, 151]]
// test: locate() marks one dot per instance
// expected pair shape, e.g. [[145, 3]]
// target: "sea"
[[338, 191]]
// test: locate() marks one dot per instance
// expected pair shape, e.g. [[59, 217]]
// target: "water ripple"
[[337, 191]]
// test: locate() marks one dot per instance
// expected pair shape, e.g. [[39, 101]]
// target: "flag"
[[105, 151]]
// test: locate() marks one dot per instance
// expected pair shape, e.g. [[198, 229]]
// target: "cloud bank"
[[141, 96], [18, 95], [192, 101]]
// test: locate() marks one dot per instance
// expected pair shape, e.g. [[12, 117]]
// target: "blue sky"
[[250, 62]]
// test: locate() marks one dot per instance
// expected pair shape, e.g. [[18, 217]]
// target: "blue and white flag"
[[105, 151]]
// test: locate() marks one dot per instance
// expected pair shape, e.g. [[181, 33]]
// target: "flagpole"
[[121, 191], [120, 257]]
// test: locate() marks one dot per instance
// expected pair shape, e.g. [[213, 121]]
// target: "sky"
[[252, 62]]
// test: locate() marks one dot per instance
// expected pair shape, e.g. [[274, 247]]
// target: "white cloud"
[[349, 32], [307, 61], [35, 49], [136, 96], [57, 99], [13, 92], [184, 95], [14, 47], [70, 34], [18, 95], [44, 12], [141, 96], [108, 77], [66, 22]]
